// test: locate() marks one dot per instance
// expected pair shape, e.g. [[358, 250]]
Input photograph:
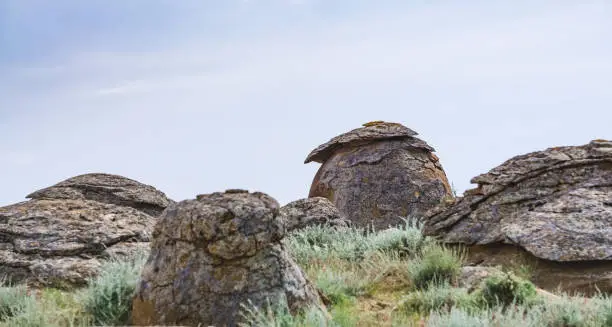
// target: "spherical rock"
[[213, 254], [554, 206], [378, 174]]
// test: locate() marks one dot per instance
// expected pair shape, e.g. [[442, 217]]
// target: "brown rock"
[[556, 205], [379, 173], [214, 253], [312, 211], [59, 237], [107, 188]]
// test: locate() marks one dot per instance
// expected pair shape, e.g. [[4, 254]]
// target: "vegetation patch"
[[395, 277]]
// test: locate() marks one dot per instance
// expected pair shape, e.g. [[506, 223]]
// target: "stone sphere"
[[379, 174]]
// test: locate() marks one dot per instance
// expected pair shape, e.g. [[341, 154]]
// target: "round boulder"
[[552, 208], [378, 174], [211, 255]]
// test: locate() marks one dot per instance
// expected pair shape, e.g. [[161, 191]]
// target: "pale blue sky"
[[200, 96]]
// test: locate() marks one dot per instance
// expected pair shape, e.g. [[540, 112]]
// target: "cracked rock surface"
[[59, 236], [555, 204], [211, 254], [379, 173], [312, 211]]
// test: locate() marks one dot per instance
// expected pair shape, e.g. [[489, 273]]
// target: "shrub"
[[314, 243], [278, 315], [505, 289], [437, 264], [339, 287], [108, 297], [458, 317], [14, 300], [436, 297]]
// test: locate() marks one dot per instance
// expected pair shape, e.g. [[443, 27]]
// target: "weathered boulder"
[[107, 188], [212, 254], [312, 211], [554, 207], [377, 174], [59, 236]]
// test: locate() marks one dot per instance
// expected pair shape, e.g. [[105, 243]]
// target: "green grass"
[[435, 265], [506, 289], [395, 277]]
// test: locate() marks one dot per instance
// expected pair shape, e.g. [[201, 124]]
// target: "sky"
[[198, 96]]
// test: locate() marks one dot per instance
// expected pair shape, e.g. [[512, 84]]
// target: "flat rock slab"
[[59, 237], [555, 204]]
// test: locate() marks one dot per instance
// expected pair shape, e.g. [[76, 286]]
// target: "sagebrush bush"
[[505, 289], [436, 265], [436, 297], [339, 287], [278, 315], [315, 243], [108, 296], [14, 299]]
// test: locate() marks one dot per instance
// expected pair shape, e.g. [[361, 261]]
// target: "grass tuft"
[[436, 265]]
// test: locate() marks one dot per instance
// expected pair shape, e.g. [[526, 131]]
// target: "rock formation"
[[379, 173], [58, 237], [214, 253], [552, 208], [312, 211]]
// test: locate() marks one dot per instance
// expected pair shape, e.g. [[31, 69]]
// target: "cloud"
[[241, 104]]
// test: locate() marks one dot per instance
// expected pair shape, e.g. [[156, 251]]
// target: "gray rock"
[[107, 188], [60, 240], [377, 174], [470, 277], [214, 253], [312, 211], [555, 204]]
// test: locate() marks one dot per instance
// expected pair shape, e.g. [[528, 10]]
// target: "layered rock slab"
[[59, 237], [211, 255], [378, 174], [554, 205]]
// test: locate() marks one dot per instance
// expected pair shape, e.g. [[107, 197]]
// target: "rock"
[[107, 188], [214, 253], [377, 174], [312, 211], [470, 277], [553, 205], [59, 237]]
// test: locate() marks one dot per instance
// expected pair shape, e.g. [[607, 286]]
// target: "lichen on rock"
[[212, 254], [378, 174], [554, 204], [59, 236]]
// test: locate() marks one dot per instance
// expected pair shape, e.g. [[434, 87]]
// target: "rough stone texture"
[[213, 253], [471, 277], [312, 211], [58, 237], [379, 173], [555, 204], [107, 188]]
